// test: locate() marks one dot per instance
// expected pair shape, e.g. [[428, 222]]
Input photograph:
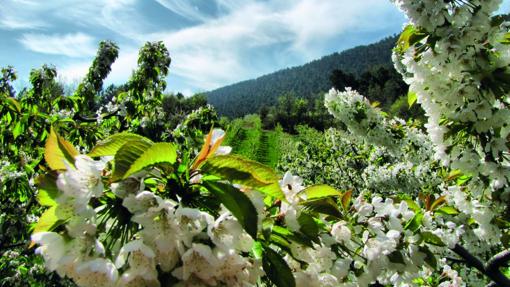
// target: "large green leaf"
[[431, 238], [238, 203], [308, 226], [48, 221], [57, 150], [277, 269], [157, 153], [245, 172], [414, 223], [112, 144], [320, 190], [47, 190], [127, 155], [323, 205]]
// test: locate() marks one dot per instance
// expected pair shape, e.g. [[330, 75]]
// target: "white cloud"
[[184, 8], [70, 45], [218, 51], [232, 40]]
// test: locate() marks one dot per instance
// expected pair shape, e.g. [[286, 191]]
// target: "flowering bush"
[[428, 209]]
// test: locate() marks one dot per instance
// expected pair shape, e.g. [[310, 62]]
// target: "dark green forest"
[[311, 80]]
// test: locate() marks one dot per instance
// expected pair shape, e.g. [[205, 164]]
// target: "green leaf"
[[112, 144], [127, 155], [411, 98], [447, 210], [47, 190], [17, 130], [277, 269], [245, 172], [238, 203], [48, 221], [308, 226], [431, 238], [408, 38], [430, 258], [396, 257], [257, 250], [320, 190], [157, 153], [323, 205], [13, 104], [57, 150], [414, 223]]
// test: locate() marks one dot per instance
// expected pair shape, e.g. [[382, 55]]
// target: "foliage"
[[407, 206]]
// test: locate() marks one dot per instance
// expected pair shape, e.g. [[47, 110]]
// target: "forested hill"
[[304, 81]]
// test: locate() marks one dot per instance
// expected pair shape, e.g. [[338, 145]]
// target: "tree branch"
[[491, 269]]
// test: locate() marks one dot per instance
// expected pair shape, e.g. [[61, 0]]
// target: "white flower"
[[341, 232], [200, 262]]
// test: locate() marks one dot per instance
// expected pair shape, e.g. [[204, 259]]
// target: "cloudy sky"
[[212, 42]]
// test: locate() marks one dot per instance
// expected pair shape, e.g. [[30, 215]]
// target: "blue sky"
[[212, 42]]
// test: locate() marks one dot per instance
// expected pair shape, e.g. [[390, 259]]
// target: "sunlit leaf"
[[320, 190], [127, 155], [47, 190], [157, 153], [411, 98], [112, 144], [245, 172], [57, 150]]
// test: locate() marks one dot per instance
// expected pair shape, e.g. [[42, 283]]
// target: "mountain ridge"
[[304, 81]]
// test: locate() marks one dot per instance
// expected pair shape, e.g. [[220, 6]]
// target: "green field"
[[247, 138]]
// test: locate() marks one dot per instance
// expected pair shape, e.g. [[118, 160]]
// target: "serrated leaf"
[[411, 98], [320, 190], [277, 269], [47, 190], [414, 223], [157, 153], [237, 203], [127, 155], [245, 172], [431, 238], [57, 150], [112, 144]]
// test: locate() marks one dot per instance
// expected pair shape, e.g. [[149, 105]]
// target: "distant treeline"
[[308, 81]]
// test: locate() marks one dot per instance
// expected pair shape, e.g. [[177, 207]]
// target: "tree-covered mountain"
[[306, 81]]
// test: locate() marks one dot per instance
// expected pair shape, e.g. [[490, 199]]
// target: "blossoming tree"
[[137, 212]]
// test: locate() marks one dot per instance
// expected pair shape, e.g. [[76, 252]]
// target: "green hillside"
[[304, 81]]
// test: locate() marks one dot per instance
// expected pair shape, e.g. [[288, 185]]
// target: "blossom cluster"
[[458, 81], [193, 246]]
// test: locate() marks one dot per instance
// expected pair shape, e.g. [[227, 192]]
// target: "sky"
[[212, 43]]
